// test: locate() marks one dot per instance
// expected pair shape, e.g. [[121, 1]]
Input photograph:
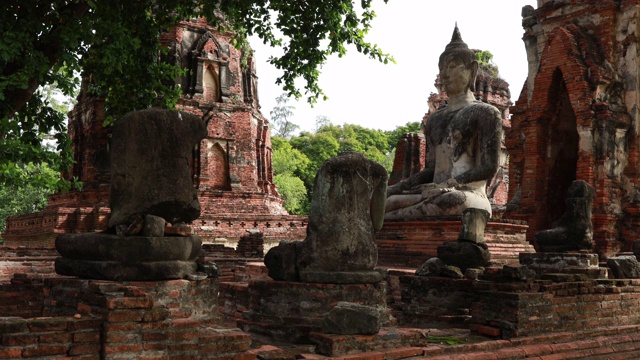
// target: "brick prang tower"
[[577, 118]]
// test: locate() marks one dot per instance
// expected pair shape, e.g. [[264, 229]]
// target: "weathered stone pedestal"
[[288, 310], [111, 257], [432, 301], [564, 263]]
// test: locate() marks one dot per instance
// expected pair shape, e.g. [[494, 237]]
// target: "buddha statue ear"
[[474, 73]]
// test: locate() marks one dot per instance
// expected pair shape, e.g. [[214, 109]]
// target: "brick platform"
[[87, 319], [617, 342], [410, 244], [38, 262]]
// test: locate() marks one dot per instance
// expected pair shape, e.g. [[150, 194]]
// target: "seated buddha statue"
[[463, 144]]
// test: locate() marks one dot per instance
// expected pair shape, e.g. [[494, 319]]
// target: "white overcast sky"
[[368, 93]]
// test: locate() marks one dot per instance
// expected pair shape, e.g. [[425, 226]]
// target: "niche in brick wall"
[[217, 169], [210, 84], [561, 149]]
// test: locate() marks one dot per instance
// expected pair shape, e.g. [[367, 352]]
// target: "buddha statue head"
[[458, 66]]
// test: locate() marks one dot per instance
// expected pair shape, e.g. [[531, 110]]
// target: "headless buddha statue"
[[463, 144]]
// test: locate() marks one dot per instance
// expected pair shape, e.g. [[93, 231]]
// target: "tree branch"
[[52, 47]]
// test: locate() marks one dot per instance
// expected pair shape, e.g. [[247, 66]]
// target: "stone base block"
[[437, 302], [111, 257], [118, 271], [567, 263], [289, 311]]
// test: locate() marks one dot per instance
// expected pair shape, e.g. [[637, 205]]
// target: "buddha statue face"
[[458, 66], [455, 75]]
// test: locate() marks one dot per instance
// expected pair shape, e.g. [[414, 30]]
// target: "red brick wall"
[[58, 337], [22, 298], [114, 320]]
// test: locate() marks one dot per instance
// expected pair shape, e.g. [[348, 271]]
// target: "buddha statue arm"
[[423, 177], [378, 199]]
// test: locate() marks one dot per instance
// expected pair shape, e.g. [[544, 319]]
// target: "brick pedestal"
[[410, 244], [289, 311], [552, 306]]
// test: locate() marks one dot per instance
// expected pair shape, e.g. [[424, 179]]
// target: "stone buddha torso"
[[461, 145]]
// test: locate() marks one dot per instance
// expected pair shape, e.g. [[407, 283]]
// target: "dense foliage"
[[297, 160], [23, 197], [114, 46]]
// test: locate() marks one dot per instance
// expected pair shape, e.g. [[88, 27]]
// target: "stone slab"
[[119, 271], [558, 261], [342, 277], [130, 249]]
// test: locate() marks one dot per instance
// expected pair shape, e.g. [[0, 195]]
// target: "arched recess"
[[562, 139], [211, 84], [218, 168], [560, 102], [206, 52]]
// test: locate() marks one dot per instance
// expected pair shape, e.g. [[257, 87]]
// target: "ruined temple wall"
[[583, 65]]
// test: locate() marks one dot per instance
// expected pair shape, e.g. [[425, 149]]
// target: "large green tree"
[[289, 165], [114, 45], [28, 193], [296, 161], [395, 135]]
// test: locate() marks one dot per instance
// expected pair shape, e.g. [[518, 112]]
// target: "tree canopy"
[[296, 160], [114, 46], [23, 196]]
